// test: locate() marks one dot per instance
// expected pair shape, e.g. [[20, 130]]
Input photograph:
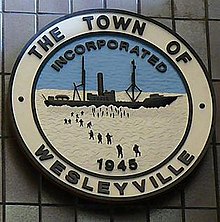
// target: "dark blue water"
[[115, 66]]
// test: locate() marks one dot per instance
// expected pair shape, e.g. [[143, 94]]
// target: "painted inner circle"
[[111, 104]]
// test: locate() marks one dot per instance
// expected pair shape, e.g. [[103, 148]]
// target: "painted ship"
[[108, 98]]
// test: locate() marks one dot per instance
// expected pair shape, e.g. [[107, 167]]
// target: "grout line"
[[104, 4], [138, 3], [75, 213], [112, 214], [75, 209], [3, 120], [214, 149], [189, 19], [40, 176], [183, 204], [40, 196], [34, 13], [22, 204], [37, 17], [173, 16], [215, 162], [148, 215], [214, 19], [208, 38], [5, 73], [216, 80], [71, 6], [89, 206]]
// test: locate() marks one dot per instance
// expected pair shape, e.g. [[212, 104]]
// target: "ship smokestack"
[[100, 83]]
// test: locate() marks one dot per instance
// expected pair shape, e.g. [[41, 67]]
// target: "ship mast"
[[82, 84], [83, 78], [133, 85]]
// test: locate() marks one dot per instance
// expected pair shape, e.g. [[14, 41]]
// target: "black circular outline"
[[63, 158], [91, 195]]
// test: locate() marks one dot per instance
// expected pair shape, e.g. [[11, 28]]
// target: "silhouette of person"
[[120, 152], [72, 113], [65, 121], [91, 135], [109, 138], [77, 115], [99, 136], [82, 112], [136, 150], [81, 123], [89, 124], [77, 120], [69, 121]]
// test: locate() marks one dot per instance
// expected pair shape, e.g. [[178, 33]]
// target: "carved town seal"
[[111, 105]]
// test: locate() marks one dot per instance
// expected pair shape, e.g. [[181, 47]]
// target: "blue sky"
[[115, 66]]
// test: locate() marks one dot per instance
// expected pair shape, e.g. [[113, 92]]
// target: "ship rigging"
[[105, 97]]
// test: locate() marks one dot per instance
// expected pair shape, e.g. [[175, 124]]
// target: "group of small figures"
[[136, 150], [89, 125], [78, 120], [99, 136], [110, 112]]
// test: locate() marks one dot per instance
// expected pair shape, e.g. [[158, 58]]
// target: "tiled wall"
[[26, 196]]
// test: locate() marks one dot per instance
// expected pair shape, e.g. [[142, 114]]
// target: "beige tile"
[[61, 214], [214, 9], [189, 8], [44, 20], [130, 215], [201, 182], [217, 99], [165, 215], [86, 4], [20, 5], [52, 194], [84, 215], [54, 6], [214, 27], [129, 5], [21, 177], [201, 215], [194, 33], [158, 8], [16, 36], [22, 213]]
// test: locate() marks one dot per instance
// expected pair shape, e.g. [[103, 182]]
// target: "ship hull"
[[147, 103]]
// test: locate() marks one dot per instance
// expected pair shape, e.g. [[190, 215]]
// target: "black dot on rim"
[[21, 99], [202, 106]]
